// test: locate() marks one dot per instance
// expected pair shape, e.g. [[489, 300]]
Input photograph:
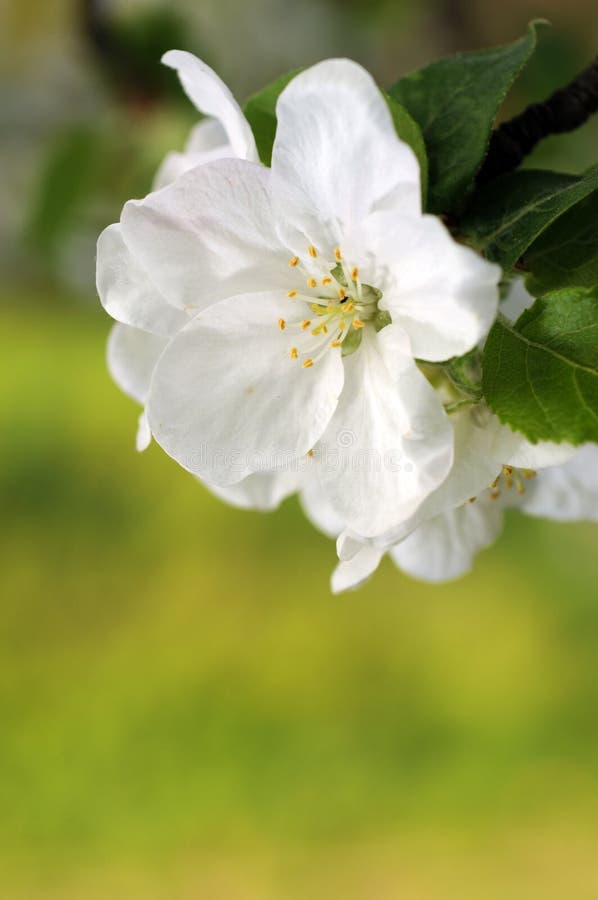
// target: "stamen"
[[294, 262], [294, 354], [337, 254], [282, 324], [310, 453], [291, 293], [312, 251], [335, 343], [326, 281], [341, 294], [354, 273], [305, 324], [529, 473], [472, 499], [357, 323], [312, 283], [307, 364]]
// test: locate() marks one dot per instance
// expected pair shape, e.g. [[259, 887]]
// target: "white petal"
[[444, 547], [517, 300], [474, 468], [209, 235], [317, 508], [358, 569], [226, 398], [336, 156], [263, 491], [132, 355], [144, 435], [567, 492], [389, 444], [212, 97], [442, 293], [126, 290], [509, 447]]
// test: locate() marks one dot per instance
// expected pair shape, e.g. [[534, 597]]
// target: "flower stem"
[[565, 110]]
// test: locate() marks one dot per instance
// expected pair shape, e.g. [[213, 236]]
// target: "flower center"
[[509, 477], [337, 306]]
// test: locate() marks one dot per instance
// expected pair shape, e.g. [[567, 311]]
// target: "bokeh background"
[[185, 710]]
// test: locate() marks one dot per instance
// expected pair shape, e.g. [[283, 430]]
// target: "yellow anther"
[[357, 323], [294, 262], [315, 308], [495, 495], [305, 324], [354, 274], [326, 281], [349, 307], [335, 343], [310, 453], [315, 331], [312, 251], [529, 473], [337, 254], [341, 294], [294, 353], [324, 329], [291, 293], [472, 499], [307, 364], [282, 324], [312, 283]]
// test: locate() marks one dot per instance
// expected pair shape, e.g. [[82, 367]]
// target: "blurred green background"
[[185, 711]]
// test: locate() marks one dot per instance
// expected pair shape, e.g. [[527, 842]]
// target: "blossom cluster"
[[286, 329]]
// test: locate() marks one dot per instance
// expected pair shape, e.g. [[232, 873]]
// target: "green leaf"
[[455, 101], [409, 131], [508, 214], [260, 112], [566, 254], [541, 374]]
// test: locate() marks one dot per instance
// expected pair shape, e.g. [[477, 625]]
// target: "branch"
[[565, 110]]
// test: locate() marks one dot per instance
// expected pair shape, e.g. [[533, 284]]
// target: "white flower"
[[283, 270], [146, 320], [494, 468], [224, 133]]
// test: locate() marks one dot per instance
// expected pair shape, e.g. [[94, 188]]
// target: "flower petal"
[[317, 508], [568, 492], [353, 573], [444, 547], [132, 355], [144, 436], [443, 294], [517, 300], [226, 398], [336, 156], [212, 98], [509, 447], [389, 444], [207, 142], [263, 491], [126, 290], [209, 235]]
